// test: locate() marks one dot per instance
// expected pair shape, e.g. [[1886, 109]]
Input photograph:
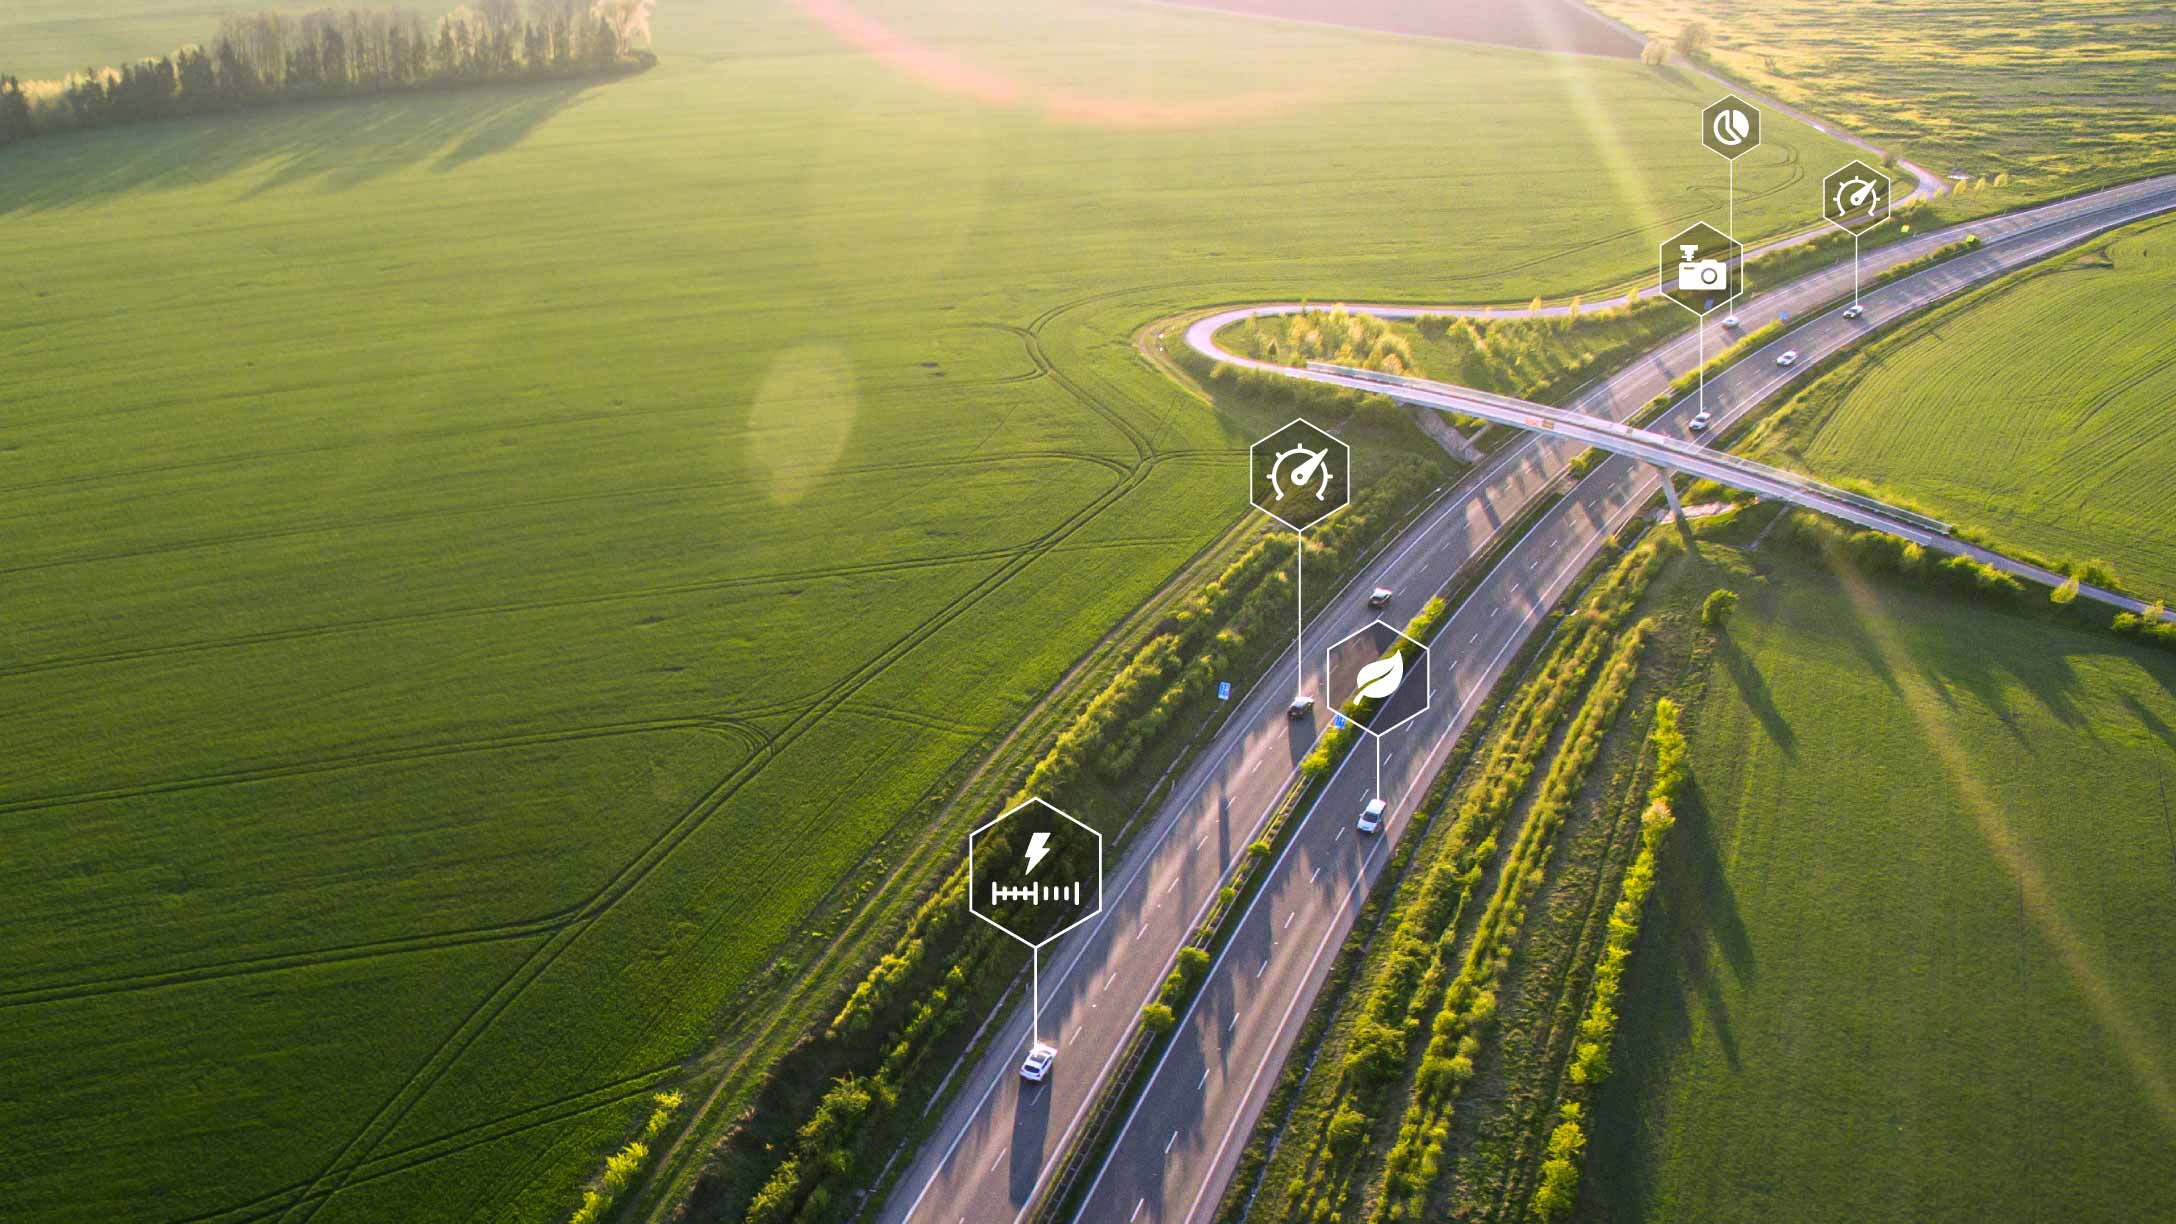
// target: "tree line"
[[263, 58]]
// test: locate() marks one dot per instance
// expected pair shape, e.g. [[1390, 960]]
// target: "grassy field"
[[2065, 454], [491, 572], [1908, 959], [2063, 95]]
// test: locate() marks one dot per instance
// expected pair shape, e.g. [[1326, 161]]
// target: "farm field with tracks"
[[2067, 454], [491, 574]]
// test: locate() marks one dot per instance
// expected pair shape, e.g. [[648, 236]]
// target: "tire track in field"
[[369, 623], [751, 736], [338, 1172], [754, 740], [326, 526], [413, 1156]]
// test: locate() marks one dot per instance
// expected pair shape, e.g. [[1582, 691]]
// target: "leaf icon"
[[1381, 678]]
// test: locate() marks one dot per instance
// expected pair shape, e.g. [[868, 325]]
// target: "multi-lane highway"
[[1178, 1144]]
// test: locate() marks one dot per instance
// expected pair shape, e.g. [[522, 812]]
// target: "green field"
[[2060, 95], [490, 572], [2067, 453], [1908, 959]]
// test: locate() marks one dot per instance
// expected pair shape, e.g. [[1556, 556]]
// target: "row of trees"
[[262, 58], [1412, 991], [1558, 1189]]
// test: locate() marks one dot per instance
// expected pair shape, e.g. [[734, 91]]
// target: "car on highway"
[[1789, 358], [1037, 1067], [1731, 322], [1371, 817], [1700, 423], [1301, 707], [1381, 597], [1854, 310]]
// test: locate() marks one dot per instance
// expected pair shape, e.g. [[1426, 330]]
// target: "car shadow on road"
[[1030, 1131]]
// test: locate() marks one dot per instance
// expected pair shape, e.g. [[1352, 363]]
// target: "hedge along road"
[[994, 1148]]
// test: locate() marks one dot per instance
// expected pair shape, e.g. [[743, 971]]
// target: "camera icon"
[[1700, 269], [1697, 275]]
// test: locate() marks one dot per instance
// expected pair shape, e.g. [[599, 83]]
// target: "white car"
[[1371, 818], [1789, 358], [1853, 311], [1731, 322], [1037, 1067], [1301, 707], [1381, 597], [1700, 423]]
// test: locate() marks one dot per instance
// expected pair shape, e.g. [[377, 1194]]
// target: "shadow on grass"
[[1693, 933], [336, 144], [1753, 690]]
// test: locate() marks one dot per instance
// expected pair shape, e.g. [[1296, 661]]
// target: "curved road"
[[995, 1146]]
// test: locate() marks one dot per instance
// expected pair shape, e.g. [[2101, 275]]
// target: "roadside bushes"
[[1415, 1160], [2152, 626], [621, 1167], [938, 975], [1878, 552], [1553, 1197], [1417, 955]]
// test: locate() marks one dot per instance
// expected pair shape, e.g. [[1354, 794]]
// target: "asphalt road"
[[1178, 1145]]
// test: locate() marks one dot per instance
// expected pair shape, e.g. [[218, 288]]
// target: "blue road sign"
[[1224, 690], [1337, 722]]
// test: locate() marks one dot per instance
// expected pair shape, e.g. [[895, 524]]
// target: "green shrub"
[[1158, 1019], [1715, 612]]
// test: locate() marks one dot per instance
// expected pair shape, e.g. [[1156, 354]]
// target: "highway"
[[1175, 1152]]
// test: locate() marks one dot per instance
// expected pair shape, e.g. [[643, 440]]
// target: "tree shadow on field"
[[1753, 690], [337, 144], [1692, 923]]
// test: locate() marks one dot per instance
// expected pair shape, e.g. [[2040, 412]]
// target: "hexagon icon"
[[1300, 475], [1702, 268], [1035, 873], [1855, 198], [1730, 126], [1378, 677]]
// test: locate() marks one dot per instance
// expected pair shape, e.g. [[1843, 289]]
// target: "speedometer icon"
[[1312, 468]]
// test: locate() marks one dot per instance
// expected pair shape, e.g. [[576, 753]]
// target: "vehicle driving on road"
[[1699, 424], [1037, 1066], [1371, 817], [1381, 597], [1789, 358], [1301, 707]]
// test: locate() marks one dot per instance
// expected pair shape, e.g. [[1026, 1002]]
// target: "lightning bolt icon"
[[1038, 849]]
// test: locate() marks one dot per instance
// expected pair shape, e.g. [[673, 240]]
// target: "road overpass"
[[991, 1153]]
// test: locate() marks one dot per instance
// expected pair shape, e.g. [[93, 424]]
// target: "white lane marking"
[[1107, 981], [1318, 875], [2030, 222], [1136, 1211], [1174, 882], [1203, 1081], [1288, 919], [1143, 931], [1265, 965], [1168, 1142], [1000, 1160], [1340, 832], [1203, 842]]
